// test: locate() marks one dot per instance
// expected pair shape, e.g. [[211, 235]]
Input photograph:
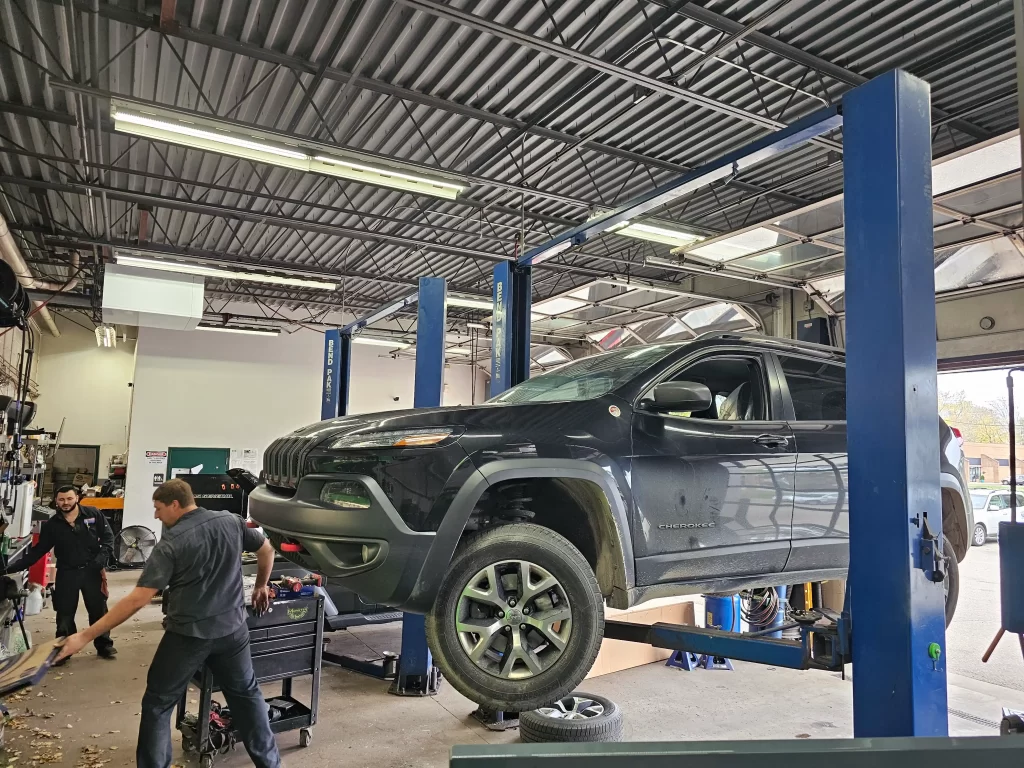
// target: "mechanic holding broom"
[[198, 565], [83, 542]]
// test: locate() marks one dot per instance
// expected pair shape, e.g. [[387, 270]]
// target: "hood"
[[458, 415]]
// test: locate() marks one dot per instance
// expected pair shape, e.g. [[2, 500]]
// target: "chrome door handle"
[[772, 441]]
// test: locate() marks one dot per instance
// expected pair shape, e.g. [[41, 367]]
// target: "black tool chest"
[[286, 642]]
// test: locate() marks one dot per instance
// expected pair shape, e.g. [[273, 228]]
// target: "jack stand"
[[683, 660], [715, 662], [496, 721], [384, 668]]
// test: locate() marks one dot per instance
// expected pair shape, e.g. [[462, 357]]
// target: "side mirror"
[[681, 396]]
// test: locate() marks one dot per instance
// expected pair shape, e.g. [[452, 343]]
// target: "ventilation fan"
[[133, 546]]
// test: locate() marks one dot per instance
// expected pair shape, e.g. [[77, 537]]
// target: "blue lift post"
[[337, 367], [510, 326], [899, 672], [417, 675]]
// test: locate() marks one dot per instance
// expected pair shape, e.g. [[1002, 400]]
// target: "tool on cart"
[[286, 642]]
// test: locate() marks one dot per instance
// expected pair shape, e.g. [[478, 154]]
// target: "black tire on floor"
[[547, 549], [537, 727], [952, 579]]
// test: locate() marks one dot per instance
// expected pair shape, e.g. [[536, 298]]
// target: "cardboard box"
[[616, 655]]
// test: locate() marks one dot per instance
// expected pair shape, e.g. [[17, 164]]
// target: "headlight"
[[401, 438]]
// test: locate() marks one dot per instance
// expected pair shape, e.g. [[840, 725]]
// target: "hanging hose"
[[759, 606]]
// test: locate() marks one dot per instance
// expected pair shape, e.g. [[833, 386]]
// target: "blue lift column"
[[899, 661], [510, 326], [337, 370], [417, 675]]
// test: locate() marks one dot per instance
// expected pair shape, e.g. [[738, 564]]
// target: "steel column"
[[510, 327], [892, 413], [417, 675], [337, 373]]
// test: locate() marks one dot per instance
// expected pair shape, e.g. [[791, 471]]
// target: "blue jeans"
[[177, 657]]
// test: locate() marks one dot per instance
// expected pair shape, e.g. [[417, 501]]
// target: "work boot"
[[107, 653]]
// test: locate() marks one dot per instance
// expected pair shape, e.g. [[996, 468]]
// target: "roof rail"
[[771, 340]]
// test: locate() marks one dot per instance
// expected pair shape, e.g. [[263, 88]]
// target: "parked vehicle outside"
[[991, 506], [709, 466]]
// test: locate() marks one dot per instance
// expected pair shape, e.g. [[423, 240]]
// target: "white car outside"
[[990, 508]]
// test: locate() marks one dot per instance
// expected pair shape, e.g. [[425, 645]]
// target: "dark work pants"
[[176, 659], [88, 581]]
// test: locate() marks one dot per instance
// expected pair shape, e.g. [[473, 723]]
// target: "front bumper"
[[369, 551]]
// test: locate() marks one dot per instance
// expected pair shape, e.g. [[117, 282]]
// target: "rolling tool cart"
[[286, 642]]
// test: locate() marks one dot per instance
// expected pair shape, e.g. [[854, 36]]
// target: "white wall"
[[87, 386], [219, 390]]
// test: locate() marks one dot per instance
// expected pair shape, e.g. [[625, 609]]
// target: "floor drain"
[[974, 718]]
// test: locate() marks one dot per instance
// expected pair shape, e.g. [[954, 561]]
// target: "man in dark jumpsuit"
[[83, 543], [198, 564]]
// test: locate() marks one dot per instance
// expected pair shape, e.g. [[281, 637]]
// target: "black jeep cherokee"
[[708, 466]]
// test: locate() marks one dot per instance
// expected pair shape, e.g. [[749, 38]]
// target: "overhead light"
[[559, 305], [377, 341], [470, 302], [346, 169], [478, 326], [265, 147], [458, 351], [247, 331], [222, 274], [554, 250], [674, 237], [106, 336]]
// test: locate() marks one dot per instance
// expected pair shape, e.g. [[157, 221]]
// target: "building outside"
[[990, 462]]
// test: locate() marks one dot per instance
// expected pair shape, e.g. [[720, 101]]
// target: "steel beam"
[[892, 412], [380, 314], [472, 21], [731, 164]]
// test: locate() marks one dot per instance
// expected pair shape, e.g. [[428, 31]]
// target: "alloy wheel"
[[979, 535], [573, 708], [513, 619]]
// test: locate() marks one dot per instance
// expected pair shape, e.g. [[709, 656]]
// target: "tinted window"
[[979, 500], [587, 378], [736, 384], [818, 389]]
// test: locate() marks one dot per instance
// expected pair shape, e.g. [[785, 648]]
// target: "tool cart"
[[286, 642]]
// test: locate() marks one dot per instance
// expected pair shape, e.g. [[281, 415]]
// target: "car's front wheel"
[[951, 584], [980, 535], [518, 620]]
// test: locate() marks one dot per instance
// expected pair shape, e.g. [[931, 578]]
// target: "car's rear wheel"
[[518, 620], [951, 584], [980, 535]]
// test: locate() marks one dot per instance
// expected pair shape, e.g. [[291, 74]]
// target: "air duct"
[[12, 255]]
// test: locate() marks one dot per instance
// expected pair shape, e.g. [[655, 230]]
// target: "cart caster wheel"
[[305, 737], [206, 761]]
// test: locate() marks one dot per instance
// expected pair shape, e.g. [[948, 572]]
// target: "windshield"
[[979, 500], [586, 378]]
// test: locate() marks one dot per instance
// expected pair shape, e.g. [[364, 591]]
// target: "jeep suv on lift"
[[709, 466]]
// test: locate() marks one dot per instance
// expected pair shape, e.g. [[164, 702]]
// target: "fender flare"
[[454, 523]]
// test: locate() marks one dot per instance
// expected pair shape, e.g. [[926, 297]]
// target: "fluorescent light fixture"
[[976, 165], [462, 351], [377, 341], [737, 246], [470, 302], [346, 169], [554, 250], [558, 306], [221, 274], [552, 357], [664, 235], [106, 336], [266, 147], [247, 331], [478, 326]]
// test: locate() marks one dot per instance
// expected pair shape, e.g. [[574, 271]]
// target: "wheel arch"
[[594, 493], [955, 523]]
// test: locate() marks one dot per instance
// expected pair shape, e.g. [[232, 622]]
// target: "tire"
[[305, 737], [497, 680], [601, 721], [952, 583], [980, 535]]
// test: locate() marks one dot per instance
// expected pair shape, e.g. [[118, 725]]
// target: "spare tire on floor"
[[574, 718]]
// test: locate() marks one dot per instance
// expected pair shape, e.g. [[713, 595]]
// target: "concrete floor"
[[92, 704]]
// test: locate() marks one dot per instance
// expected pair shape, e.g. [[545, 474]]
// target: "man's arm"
[[261, 594], [29, 557], [106, 537], [119, 614]]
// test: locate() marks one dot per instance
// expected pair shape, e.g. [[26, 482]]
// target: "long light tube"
[[469, 302], [216, 136], [675, 237], [248, 331], [377, 341], [223, 274]]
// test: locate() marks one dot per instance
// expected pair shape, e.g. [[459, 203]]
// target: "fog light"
[[370, 552], [346, 494]]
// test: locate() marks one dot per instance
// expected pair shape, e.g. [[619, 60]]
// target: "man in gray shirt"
[[198, 564]]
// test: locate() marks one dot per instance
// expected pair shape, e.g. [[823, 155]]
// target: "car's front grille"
[[283, 461]]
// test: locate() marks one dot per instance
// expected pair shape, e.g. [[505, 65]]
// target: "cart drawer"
[[269, 666], [285, 630], [281, 644]]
